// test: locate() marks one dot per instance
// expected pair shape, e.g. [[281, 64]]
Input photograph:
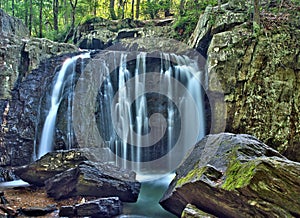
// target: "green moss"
[[238, 174], [193, 175]]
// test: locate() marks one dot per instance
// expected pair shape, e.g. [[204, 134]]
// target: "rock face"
[[94, 179], [11, 25], [230, 175], [50, 165], [257, 72], [19, 54], [103, 207]]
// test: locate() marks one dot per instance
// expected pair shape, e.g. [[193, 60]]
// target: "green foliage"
[[152, 9], [186, 23]]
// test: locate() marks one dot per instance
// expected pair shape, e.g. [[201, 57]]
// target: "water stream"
[[65, 74]]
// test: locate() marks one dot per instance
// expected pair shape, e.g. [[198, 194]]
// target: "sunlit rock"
[[230, 175]]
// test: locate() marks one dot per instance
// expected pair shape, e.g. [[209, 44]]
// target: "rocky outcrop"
[[230, 175], [103, 207], [50, 165], [99, 33], [19, 54], [38, 50], [258, 72], [94, 179], [12, 25]]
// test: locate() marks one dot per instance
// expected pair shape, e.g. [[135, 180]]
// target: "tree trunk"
[[137, 11], [41, 19], [55, 15], [95, 7], [112, 10], [73, 16], [256, 14], [132, 9], [26, 13], [181, 7], [13, 7], [30, 17]]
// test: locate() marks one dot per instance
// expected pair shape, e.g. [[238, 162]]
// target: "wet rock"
[[103, 207], [94, 179], [7, 175], [37, 211], [67, 211], [230, 175], [190, 211], [50, 165]]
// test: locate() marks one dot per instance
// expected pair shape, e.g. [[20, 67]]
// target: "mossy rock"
[[230, 175]]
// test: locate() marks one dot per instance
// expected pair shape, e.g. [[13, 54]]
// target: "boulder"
[[230, 175], [94, 179], [37, 211], [191, 211], [103, 207], [50, 165]]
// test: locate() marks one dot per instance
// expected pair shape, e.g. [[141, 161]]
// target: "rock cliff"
[[19, 54], [258, 70]]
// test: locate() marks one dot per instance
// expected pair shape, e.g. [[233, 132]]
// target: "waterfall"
[[134, 125], [62, 78], [149, 109]]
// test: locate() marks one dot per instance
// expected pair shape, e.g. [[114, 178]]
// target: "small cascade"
[[63, 76]]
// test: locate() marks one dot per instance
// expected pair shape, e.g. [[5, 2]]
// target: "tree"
[[55, 15], [137, 13], [132, 9], [30, 17], [73, 4], [41, 18], [112, 9], [256, 14], [181, 7], [13, 7]]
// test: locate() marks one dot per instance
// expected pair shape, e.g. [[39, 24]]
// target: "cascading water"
[[137, 116], [62, 77]]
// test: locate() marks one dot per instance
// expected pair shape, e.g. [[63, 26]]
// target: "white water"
[[132, 128], [56, 97], [13, 184]]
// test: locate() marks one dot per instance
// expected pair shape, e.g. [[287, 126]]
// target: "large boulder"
[[258, 72], [50, 165], [94, 179], [103, 207], [230, 175]]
